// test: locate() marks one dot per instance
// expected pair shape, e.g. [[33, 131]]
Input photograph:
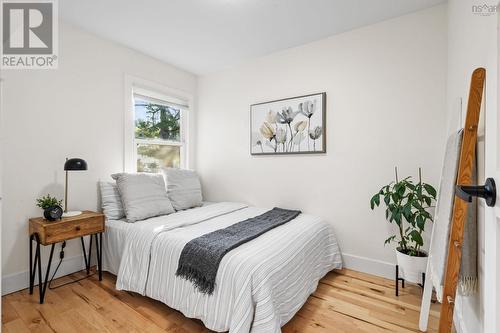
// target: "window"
[[158, 131]]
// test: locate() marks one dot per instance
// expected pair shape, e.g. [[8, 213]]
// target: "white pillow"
[[143, 195], [110, 201], [183, 188]]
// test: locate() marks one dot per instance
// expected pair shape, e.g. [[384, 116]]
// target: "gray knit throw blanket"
[[467, 283], [200, 257]]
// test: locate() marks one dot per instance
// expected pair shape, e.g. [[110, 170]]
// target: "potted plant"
[[407, 205], [52, 209]]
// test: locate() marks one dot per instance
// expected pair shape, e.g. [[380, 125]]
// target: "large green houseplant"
[[407, 206]]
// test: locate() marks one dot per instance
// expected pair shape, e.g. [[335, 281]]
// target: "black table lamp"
[[72, 164]]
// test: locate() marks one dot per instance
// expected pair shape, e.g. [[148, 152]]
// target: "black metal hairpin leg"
[[39, 256], [87, 260], [32, 276], [42, 284], [47, 273], [84, 252], [399, 279], [99, 255], [34, 264], [98, 245]]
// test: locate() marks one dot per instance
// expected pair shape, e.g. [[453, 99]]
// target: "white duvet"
[[259, 286]]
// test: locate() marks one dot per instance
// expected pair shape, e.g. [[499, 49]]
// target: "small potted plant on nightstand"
[[52, 209], [407, 205]]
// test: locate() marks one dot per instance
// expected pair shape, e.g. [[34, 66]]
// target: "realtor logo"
[[485, 9], [29, 34]]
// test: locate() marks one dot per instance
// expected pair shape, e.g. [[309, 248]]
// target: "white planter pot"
[[411, 268]]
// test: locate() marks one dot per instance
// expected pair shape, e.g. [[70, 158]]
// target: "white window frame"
[[135, 85]]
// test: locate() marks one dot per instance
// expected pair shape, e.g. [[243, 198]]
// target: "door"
[[491, 288]]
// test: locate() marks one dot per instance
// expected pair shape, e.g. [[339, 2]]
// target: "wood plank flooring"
[[345, 301]]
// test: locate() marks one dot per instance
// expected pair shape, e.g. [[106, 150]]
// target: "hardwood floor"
[[346, 301]]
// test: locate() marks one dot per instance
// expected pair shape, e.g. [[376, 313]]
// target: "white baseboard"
[[19, 281], [368, 265]]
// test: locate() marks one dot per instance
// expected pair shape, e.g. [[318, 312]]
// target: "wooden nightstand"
[[52, 232]]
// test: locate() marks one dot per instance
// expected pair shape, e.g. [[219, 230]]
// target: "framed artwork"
[[293, 125]]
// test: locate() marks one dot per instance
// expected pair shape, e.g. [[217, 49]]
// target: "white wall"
[[386, 88], [74, 111], [471, 44]]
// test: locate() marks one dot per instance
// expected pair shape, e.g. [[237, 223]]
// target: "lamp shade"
[[75, 164]]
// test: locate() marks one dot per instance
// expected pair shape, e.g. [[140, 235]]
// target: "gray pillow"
[[143, 195], [111, 201], [183, 188]]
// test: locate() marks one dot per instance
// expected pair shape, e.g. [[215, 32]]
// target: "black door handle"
[[488, 192]]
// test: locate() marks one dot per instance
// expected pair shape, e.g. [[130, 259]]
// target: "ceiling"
[[204, 36]]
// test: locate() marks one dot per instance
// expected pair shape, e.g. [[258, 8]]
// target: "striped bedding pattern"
[[259, 286]]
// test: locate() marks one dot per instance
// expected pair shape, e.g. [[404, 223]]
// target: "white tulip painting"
[[289, 126]]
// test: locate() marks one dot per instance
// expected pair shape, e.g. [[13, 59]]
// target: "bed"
[[260, 285]]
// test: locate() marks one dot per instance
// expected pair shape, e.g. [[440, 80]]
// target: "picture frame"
[[293, 125]]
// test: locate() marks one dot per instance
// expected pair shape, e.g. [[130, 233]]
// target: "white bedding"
[[114, 244], [259, 286]]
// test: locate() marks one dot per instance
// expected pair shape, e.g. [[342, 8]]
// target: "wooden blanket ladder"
[[464, 177]]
